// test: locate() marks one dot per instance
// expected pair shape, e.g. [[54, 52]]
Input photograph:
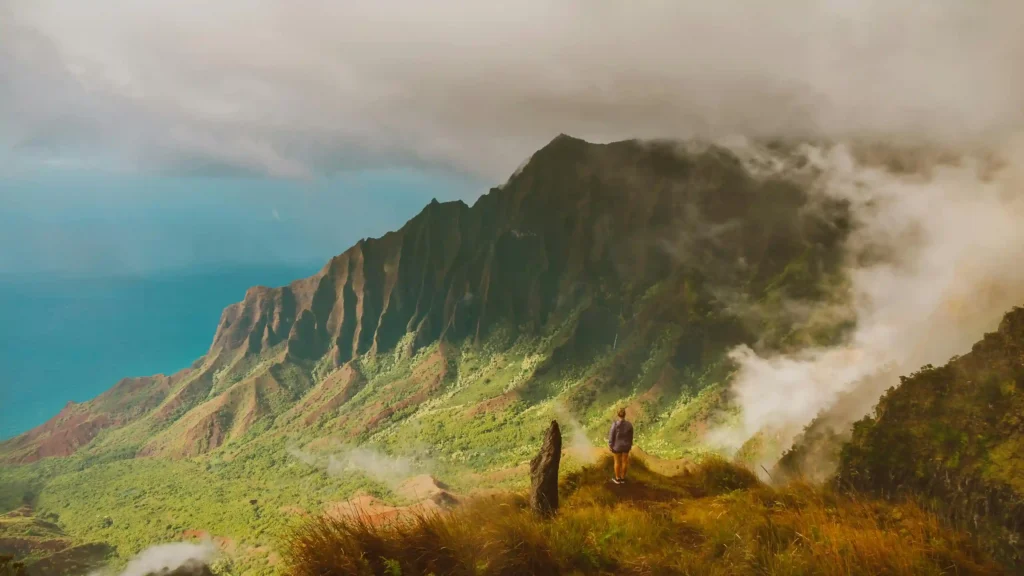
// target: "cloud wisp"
[[385, 468], [166, 558], [576, 442], [932, 266]]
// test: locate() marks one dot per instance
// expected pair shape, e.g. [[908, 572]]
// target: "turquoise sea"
[[71, 338]]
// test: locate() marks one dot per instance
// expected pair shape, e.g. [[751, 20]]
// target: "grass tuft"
[[715, 518]]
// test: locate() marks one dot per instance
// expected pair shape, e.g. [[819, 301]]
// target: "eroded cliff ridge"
[[610, 246]]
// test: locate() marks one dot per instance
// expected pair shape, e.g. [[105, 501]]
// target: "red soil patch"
[[431, 498], [62, 435], [339, 387], [189, 393], [495, 404], [223, 543]]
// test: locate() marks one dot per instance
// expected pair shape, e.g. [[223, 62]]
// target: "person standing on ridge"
[[620, 441]]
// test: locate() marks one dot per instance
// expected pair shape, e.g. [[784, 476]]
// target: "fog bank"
[[934, 263]]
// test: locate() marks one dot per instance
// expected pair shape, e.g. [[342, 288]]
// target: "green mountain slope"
[[954, 435], [597, 276], [635, 248]]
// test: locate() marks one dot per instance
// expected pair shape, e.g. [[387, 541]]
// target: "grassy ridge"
[[715, 518], [954, 436]]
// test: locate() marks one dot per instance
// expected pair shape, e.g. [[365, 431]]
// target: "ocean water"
[[72, 338]]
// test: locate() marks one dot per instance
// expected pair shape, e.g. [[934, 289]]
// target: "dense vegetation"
[[479, 422], [108, 495], [597, 277], [246, 499], [954, 436], [715, 518]]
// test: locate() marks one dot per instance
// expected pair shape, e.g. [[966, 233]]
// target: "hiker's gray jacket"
[[620, 438]]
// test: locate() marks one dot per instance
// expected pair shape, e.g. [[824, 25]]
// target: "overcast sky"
[[292, 89], [191, 98]]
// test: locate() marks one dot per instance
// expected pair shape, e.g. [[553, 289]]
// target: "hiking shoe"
[[621, 481]]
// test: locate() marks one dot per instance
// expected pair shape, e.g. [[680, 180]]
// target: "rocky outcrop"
[[544, 473]]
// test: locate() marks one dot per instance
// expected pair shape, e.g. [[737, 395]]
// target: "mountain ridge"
[[597, 277], [580, 224]]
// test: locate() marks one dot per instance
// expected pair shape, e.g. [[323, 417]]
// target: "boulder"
[[544, 473]]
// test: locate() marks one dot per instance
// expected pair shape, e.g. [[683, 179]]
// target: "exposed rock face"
[[578, 217], [544, 473]]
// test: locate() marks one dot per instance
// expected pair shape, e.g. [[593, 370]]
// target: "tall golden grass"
[[716, 519]]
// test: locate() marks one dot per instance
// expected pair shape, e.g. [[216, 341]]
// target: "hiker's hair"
[[622, 412]]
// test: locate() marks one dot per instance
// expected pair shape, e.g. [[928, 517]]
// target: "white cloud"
[[164, 558], [933, 264], [389, 469], [291, 89]]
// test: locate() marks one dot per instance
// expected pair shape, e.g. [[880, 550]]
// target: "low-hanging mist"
[[932, 262], [167, 558], [385, 468], [578, 445]]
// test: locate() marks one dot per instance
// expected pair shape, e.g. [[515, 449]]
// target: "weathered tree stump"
[[544, 473]]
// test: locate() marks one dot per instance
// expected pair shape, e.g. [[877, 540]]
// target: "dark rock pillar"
[[544, 473]]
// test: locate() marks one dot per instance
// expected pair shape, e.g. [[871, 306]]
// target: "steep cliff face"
[[579, 218], [627, 240]]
